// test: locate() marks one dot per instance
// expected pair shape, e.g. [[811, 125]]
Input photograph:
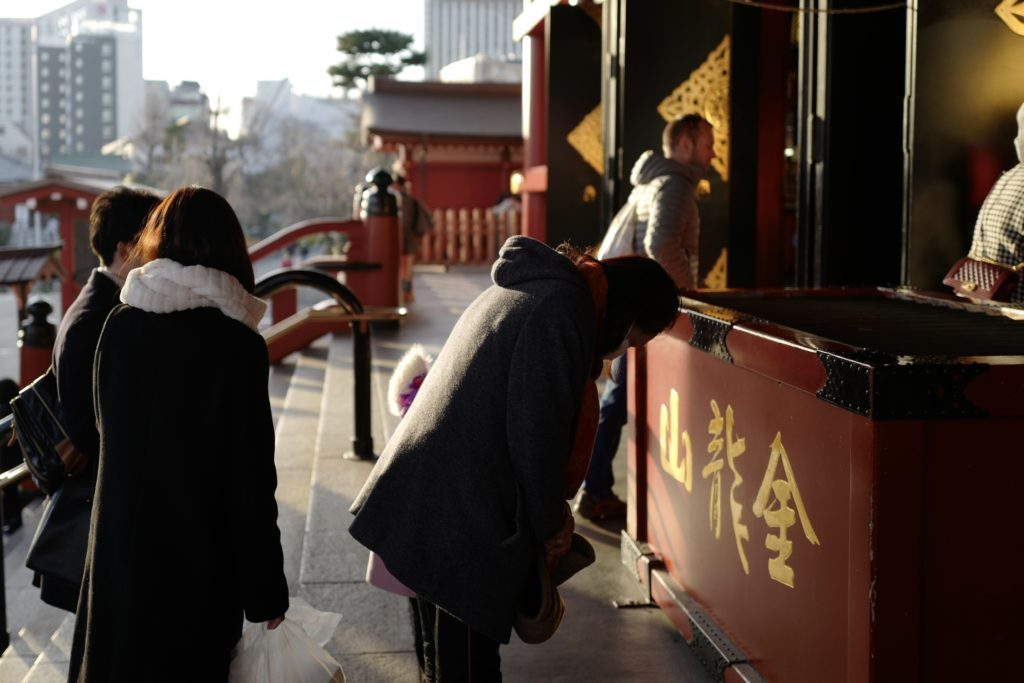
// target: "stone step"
[[296, 429], [52, 664], [373, 642], [30, 622], [280, 380]]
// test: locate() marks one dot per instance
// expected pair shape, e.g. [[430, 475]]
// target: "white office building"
[[89, 85], [460, 29], [16, 91]]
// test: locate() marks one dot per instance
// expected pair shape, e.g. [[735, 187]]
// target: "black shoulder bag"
[[40, 431], [59, 545]]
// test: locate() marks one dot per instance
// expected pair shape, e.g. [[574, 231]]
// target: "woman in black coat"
[[181, 387]]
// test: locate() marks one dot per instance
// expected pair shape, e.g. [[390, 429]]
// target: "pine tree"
[[373, 52]]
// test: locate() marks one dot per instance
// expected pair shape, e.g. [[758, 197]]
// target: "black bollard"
[[362, 442], [35, 341]]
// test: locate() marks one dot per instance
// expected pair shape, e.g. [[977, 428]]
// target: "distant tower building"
[[457, 29], [89, 76], [52, 78], [189, 104], [16, 93]]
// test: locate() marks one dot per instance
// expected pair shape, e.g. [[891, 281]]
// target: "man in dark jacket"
[[472, 485], [116, 218], [415, 222], [668, 231]]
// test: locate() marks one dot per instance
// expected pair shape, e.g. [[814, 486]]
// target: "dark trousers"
[[599, 478], [10, 456], [452, 651]]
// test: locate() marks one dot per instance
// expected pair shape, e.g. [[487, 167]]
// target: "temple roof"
[[27, 264], [442, 113]]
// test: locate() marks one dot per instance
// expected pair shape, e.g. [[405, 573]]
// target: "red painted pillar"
[[283, 304], [535, 137], [379, 244]]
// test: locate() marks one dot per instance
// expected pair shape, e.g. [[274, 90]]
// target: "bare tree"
[[306, 172], [150, 141]]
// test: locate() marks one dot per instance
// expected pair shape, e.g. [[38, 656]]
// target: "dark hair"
[[641, 294], [118, 215], [197, 227], [688, 125]]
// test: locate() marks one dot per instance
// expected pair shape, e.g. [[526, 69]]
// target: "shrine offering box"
[[828, 485]]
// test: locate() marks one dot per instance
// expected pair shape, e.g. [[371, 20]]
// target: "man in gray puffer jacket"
[[667, 229], [668, 224]]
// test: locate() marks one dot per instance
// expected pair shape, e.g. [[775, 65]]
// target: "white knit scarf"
[[166, 286]]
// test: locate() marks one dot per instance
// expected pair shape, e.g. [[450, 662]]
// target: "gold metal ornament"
[[1012, 14], [718, 276], [706, 92], [587, 139]]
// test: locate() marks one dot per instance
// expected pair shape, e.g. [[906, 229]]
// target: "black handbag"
[[39, 429], [59, 546]]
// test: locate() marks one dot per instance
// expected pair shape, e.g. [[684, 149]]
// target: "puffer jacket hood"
[[652, 164], [524, 259]]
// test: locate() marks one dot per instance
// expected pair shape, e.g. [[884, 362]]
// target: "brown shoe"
[[591, 507]]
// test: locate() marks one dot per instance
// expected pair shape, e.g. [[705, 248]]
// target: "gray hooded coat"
[[473, 480], [668, 224]]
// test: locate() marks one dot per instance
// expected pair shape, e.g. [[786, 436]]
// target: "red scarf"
[[586, 424]]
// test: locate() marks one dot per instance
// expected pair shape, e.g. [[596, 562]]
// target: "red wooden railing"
[[296, 231], [467, 236]]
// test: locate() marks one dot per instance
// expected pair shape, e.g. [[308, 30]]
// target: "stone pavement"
[[596, 641]]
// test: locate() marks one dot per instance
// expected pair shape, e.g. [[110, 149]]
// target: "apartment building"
[[85, 85], [16, 92]]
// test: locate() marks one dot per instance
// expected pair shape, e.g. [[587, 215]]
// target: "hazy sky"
[[228, 45]]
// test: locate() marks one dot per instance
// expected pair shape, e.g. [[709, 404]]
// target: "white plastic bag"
[[320, 626], [291, 653]]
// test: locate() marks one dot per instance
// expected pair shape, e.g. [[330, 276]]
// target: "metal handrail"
[[285, 278], [352, 308], [14, 476]]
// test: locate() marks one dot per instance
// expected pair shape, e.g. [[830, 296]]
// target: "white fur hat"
[[406, 379]]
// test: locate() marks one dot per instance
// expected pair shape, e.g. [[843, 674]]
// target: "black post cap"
[[378, 199], [37, 331]]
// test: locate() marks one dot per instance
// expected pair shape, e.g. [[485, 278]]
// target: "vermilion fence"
[[467, 236]]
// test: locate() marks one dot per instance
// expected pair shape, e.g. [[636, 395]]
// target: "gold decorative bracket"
[[1012, 14], [587, 139]]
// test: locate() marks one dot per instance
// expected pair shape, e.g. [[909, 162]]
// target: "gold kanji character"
[[735, 448], [781, 516], [681, 471], [714, 469]]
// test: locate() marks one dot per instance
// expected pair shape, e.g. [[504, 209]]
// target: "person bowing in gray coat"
[[473, 484]]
